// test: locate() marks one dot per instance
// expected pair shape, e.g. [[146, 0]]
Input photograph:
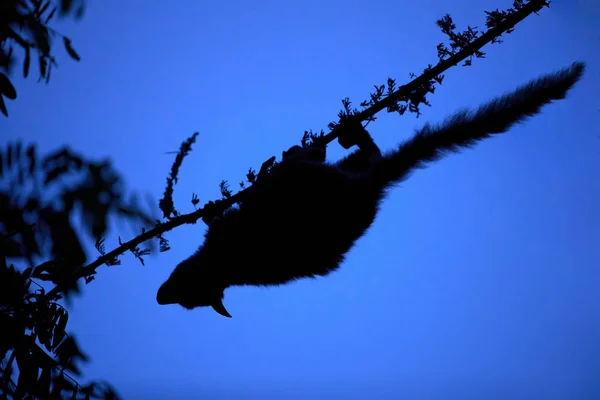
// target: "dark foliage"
[[39, 199], [24, 24]]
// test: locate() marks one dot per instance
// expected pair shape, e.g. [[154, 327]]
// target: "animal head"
[[191, 285]]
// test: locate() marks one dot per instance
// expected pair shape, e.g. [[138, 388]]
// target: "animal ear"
[[166, 295], [220, 308]]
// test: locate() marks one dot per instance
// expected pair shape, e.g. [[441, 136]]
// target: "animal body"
[[300, 220]]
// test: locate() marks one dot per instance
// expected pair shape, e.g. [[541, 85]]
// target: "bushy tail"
[[465, 128]]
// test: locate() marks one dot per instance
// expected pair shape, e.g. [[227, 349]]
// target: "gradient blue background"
[[479, 279]]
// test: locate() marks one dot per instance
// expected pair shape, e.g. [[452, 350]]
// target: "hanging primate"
[[300, 220]]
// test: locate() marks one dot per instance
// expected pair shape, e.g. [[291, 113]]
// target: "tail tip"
[[577, 69]]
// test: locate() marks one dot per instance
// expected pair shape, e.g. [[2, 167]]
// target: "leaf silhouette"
[[79, 12], [59, 330], [42, 40], [70, 49], [9, 156], [43, 65], [43, 8], [7, 88], [26, 62], [49, 17], [31, 158], [3, 106]]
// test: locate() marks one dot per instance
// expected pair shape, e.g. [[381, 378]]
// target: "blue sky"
[[479, 278]]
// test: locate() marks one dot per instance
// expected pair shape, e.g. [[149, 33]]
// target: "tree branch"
[[505, 25]]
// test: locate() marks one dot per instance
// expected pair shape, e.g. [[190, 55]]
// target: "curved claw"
[[220, 308]]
